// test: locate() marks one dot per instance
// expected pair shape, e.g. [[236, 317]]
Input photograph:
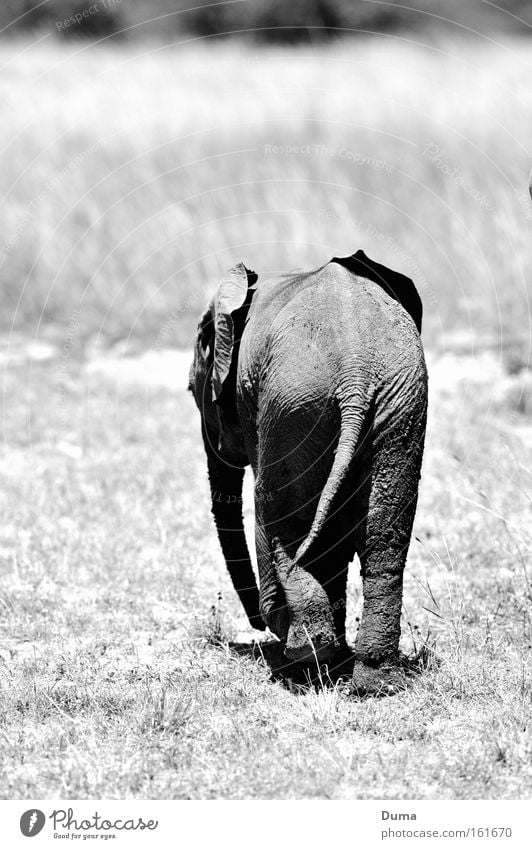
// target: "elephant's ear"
[[396, 285], [230, 306]]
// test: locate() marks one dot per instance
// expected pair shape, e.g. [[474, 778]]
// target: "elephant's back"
[[317, 335], [314, 341], [330, 307]]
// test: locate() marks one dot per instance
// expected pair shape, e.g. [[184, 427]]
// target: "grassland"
[[132, 178], [117, 674]]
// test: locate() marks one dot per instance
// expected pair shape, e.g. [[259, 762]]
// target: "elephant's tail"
[[351, 429]]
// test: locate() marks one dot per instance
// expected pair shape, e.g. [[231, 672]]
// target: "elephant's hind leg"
[[294, 603], [382, 550], [311, 633], [295, 454]]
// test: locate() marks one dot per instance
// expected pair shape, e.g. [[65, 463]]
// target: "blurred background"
[[270, 20], [146, 146]]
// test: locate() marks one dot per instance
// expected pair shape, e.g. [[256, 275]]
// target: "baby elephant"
[[318, 380]]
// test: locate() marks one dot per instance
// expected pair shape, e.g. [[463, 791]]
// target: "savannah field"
[[132, 177]]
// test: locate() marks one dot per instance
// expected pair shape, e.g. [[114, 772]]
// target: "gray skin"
[[317, 380]]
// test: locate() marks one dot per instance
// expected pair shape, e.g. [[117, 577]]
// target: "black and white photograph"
[[266, 451]]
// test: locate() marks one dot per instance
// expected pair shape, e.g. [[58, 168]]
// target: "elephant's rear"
[[336, 381], [328, 340], [378, 379]]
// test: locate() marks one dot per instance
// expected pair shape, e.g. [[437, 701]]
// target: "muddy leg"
[[391, 511], [288, 487], [311, 633]]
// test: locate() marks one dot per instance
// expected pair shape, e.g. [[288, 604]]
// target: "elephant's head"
[[213, 371], [212, 381]]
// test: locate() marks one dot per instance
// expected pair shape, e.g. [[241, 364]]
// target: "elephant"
[[317, 379]]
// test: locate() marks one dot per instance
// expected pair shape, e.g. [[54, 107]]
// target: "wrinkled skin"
[[325, 396]]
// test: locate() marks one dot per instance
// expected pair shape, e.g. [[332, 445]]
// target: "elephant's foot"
[[302, 646], [384, 680], [311, 635], [318, 651]]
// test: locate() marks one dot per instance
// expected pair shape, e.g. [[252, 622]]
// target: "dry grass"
[[117, 677]]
